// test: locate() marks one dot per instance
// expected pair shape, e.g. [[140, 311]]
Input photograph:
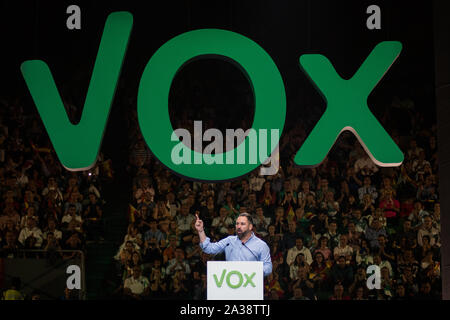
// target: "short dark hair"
[[248, 216]]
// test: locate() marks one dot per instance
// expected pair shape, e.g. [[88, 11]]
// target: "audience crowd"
[[45, 209], [325, 226]]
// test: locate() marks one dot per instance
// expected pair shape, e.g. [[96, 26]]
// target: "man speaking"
[[243, 247]]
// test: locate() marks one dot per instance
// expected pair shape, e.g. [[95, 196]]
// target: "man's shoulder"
[[256, 238], [231, 238]]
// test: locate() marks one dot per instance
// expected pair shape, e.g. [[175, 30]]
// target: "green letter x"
[[347, 107], [249, 279]]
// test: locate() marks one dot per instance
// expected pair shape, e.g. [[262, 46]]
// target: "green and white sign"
[[235, 280], [77, 145]]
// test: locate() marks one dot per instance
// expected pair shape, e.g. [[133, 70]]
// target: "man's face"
[[360, 292], [377, 260], [381, 241], [184, 209], [301, 272], [179, 254], [408, 272], [165, 226], [10, 238], [292, 226], [333, 226], [376, 224], [243, 227], [30, 211], [72, 211], [351, 227], [259, 211], [223, 212], [136, 272], [426, 288], [427, 222], [74, 197], [330, 196], [338, 289], [298, 293], [407, 225], [287, 185], [271, 230], [437, 207], [31, 223], [299, 243]]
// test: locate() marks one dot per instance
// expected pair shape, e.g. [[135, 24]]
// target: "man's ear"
[[250, 227]]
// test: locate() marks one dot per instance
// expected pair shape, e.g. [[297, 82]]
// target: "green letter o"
[[156, 80], [234, 286]]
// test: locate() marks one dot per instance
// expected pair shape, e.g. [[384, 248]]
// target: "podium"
[[235, 280]]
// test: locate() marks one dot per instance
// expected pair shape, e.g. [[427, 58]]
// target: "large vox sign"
[[77, 146]]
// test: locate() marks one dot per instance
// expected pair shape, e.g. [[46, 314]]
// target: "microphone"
[[250, 251]]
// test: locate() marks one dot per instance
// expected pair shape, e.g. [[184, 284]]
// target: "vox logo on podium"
[[242, 279]]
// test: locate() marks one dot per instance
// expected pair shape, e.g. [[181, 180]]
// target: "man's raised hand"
[[198, 223]]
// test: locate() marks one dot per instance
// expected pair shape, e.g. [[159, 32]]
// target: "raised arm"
[[199, 228], [205, 243]]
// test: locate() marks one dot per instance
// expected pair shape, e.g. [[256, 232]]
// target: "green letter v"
[[219, 283], [347, 108], [77, 145]]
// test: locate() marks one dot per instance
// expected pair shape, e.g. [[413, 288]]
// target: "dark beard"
[[243, 235]]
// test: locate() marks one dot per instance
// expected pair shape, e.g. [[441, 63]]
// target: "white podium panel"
[[235, 280]]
